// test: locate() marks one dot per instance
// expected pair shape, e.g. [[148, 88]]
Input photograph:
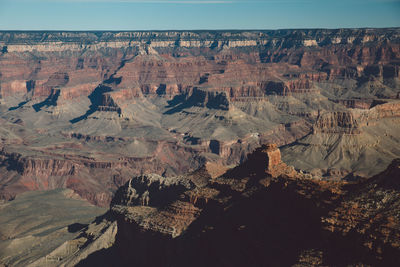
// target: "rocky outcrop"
[[351, 122], [166, 207], [318, 193], [268, 158], [370, 211], [249, 210], [151, 190], [386, 110], [336, 122], [37, 167], [298, 86], [203, 98], [21, 173], [108, 104], [340, 136]]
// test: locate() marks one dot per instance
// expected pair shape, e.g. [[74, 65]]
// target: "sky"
[[196, 14]]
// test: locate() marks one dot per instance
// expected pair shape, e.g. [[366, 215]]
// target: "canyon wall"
[[87, 110], [247, 216]]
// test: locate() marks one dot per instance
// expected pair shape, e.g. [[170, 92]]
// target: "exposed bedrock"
[[174, 129], [97, 179], [349, 141], [86, 110], [336, 122], [197, 97], [267, 159], [151, 190], [161, 73], [108, 104], [40, 168], [351, 122], [291, 86], [204, 225], [158, 212], [234, 219], [386, 110]]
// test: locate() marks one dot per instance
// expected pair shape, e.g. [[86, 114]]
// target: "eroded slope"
[[87, 110], [260, 213]]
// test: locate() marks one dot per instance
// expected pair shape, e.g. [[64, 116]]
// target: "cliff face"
[[79, 105], [337, 122], [340, 136], [171, 61], [246, 216]]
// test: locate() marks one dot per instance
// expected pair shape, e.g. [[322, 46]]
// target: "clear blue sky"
[[196, 14]]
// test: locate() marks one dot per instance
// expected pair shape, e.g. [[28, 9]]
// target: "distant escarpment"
[[79, 108]]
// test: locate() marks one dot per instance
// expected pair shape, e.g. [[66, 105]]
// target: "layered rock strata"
[[112, 104], [247, 216]]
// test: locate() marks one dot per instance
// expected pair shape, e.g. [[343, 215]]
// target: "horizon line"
[[197, 30]]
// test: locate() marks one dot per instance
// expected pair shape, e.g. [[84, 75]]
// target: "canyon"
[[262, 212], [89, 110], [200, 148]]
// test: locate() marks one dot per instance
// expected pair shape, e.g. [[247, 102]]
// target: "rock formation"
[[247, 217], [87, 110], [267, 159], [338, 137]]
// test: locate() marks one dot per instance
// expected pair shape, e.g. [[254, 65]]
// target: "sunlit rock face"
[[87, 110]]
